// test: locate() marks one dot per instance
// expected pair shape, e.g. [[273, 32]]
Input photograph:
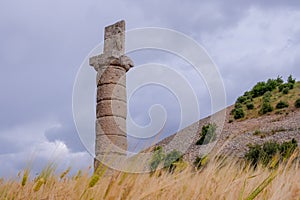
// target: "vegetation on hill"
[[167, 161], [208, 134], [265, 97], [270, 152]]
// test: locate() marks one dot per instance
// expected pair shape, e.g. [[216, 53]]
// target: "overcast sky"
[[43, 44]]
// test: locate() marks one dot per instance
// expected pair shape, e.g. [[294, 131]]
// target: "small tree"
[[264, 153], [259, 89], [291, 80], [157, 158], [285, 90], [282, 104], [238, 113], [250, 106], [170, 160], [279, 80], [265, 108], [208, 134]]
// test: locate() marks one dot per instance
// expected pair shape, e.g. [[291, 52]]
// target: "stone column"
[[111, 110]]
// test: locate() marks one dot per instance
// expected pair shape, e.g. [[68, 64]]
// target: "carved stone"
[[111, 110]]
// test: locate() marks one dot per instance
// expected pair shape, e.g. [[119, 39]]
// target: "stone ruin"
[[111, 109]]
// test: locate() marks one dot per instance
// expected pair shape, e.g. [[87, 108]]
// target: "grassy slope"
[[291, 97]]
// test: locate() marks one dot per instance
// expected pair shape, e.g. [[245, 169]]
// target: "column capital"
[[104, 60]]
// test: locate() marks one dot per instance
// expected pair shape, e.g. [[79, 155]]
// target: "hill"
[[265, 113]]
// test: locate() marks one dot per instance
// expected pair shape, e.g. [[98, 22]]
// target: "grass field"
[[225, 179]]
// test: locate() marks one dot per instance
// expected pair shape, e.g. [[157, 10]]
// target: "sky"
[[43, 44]]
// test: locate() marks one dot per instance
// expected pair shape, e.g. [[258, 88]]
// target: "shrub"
[[267, 96], [297, 103], [265, 153], [200, 161], [280, 87], [248, 95], [279, 80], [291, 80], [238, 113], [259, 89], [208, 134], [253, 154], [290, 86], [250, 106], [285, 90], [282, 104], [157, 158], [170, 160], [241, 99], [271, 84], [238, 105], [287, 148], [265, 108]]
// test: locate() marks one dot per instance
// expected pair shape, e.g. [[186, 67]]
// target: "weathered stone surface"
[[114, 39], [104, 60], [111, 91], [110, 125], [111, 108], [111, 75], [111, 143], [111, 111]]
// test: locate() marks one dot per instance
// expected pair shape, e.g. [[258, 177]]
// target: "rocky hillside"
[[268, 112]]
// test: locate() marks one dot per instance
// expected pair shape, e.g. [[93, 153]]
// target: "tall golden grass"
[[218, 179]]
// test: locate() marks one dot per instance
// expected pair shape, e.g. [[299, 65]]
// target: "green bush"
[[271, 84], [291, 80], [262, 87], [290, 86], [267, 96], [253, 155], [247, 97], [287, 148], [250, 106], [285, 90], [167, 161], [259, 89], [282, 104], [238, 113], [266, 105], [241, 99], [279, 80], [208, 134], [170, 160], [264, 153], [297, 103], [265, 108], [157, 158], [280, 87], [238, 105]]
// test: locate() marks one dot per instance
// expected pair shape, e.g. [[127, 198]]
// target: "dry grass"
[[225, 179]]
